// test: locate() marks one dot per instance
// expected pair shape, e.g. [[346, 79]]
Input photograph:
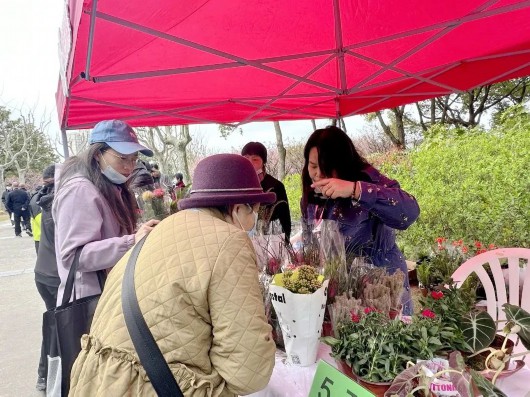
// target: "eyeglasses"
[[124, 159]]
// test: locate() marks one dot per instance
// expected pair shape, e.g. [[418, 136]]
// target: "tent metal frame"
[[265, 103]]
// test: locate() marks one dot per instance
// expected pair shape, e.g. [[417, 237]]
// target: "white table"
[[292, 381]]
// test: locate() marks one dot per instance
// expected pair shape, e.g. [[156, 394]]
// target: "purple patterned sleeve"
[[392, 205]]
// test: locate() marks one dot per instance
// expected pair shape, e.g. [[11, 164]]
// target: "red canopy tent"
[[221, 61]]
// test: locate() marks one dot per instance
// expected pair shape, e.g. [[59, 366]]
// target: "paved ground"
[[21, 311]]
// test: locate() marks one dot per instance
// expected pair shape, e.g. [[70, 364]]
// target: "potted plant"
[[423, 273], [373, 349], [428, 377], [435, 270], [477, 327]]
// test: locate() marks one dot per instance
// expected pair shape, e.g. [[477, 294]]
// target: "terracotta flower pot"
[[377, 388]]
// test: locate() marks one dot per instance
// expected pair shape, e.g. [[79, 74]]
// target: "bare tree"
[[197, 150], [10, 143], [371, 141], [396, 134], [77, 142], [281, 151], [168, 144]]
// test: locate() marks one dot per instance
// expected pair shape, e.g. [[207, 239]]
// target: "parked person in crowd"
[[4, 198], [178, 186], [26, 217], [256, 152], [341, 185], [199, 295], [46, 276], [17, 202], [178, 181], [94, 209], [161, 180], [35, 217]]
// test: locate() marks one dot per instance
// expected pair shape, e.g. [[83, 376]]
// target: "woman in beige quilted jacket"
[[196, 281]]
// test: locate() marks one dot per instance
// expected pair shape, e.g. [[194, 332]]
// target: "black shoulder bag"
[[73, 319], [148, 351]]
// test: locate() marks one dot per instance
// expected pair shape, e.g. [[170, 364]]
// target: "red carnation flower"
[[437, 295], [158, 193], [369, 310], [428, 313], [354, 317], [478, 244]]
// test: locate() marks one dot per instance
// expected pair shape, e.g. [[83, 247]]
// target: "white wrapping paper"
[[300, 317]]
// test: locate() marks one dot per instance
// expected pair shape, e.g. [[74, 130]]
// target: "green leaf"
[[329, 340], [478, 329], [521, 318], [485, 386]]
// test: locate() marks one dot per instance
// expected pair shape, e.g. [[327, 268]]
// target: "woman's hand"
[[145, 229], [334, 188]]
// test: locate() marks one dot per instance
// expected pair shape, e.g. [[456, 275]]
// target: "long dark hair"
[[85, 163], [336, 154]]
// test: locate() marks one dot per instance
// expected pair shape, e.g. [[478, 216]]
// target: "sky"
[[29, 71]]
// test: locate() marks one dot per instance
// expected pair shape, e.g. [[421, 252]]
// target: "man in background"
[[4, 198], [18, 203]]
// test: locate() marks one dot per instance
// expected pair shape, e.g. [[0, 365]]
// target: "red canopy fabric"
[[221, 61]]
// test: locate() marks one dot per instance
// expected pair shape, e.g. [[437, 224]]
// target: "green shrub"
[[293, 187], [472, 185]]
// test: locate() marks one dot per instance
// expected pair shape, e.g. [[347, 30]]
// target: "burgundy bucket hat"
[[225, 179]]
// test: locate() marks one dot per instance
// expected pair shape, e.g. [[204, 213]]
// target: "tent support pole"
[[340, 47], [64, 138], [91, 38]]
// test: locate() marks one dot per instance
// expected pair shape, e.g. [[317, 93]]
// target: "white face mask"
[[252, 231], [113, 175]]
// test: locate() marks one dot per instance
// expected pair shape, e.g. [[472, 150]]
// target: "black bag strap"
[[148, 351], [70, 281], [69, 288]]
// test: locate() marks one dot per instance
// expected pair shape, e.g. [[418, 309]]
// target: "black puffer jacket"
[[46, 266]]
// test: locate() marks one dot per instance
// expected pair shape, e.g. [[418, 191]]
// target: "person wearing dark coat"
[[4, 198], [256, 152], [18, 203], [46, 276]]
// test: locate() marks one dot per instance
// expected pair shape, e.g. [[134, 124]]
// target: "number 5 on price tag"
[[330, 382]]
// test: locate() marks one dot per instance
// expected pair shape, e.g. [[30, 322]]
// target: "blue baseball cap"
[[119, 136]]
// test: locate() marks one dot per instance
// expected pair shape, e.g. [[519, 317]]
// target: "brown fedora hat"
[[225, 179]]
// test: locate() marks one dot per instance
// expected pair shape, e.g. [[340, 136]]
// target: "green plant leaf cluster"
[[293, 188], [378, 348]]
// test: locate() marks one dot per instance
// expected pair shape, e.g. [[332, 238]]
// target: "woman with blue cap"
[[196, 282], [94, 211]]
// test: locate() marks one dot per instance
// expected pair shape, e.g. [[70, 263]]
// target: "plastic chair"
[[498, 294]]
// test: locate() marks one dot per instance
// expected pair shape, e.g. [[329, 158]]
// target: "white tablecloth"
[[293, 381]]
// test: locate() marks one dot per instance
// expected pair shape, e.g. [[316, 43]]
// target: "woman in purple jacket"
[[340, 185], [93, 208]]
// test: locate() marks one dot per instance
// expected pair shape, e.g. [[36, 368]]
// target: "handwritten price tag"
[[330, 382]]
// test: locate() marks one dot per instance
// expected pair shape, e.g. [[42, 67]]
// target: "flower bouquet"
[[271, 253], [156, 204], [299, 299]]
